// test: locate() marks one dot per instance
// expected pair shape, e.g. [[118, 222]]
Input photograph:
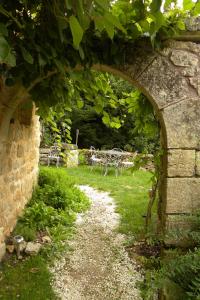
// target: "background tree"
[[108, 111]]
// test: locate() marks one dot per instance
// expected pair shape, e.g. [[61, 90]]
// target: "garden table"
[[111, 158]]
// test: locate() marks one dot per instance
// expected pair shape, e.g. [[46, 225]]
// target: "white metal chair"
[[94, 160], [127, 163], [54, 155]]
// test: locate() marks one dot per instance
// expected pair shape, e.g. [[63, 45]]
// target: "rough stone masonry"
[[170, 78]]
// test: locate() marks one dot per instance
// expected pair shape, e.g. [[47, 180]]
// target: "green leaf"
[[114, 21], [69, 121], [3, 29], [196, 9], [6, 55], [81, 52], [77, 31], [80, 103], [11, 59], [181, 25], [26, 55], [99, 23], [82, 17], [159, 20], [103, 3], [68, 4], [98, 108], [4, 49], [109, 29], [188, 4], [155, 5], [106, 118]]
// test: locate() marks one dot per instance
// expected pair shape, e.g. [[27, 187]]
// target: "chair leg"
[[48, 161], [91, 167], [106, 170], [57, 162], [102, 168]]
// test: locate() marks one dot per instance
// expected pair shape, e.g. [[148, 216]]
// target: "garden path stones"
[[33, 248], [98, 267]]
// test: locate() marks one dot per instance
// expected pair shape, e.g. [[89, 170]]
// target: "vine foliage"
[[42, 40]]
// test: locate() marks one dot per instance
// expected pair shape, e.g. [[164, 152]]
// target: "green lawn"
[[26, 280], [30, 278], [130, 190]]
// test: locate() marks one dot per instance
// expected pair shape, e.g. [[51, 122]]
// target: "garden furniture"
[[94, 159], [54, 154]]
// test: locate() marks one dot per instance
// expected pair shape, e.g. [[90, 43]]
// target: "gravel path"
[[98, 267]]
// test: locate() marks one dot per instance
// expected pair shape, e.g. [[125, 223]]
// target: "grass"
[[30, 278], [26, 280], [130, 191]]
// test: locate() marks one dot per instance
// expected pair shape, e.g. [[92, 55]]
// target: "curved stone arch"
[[170, 79]]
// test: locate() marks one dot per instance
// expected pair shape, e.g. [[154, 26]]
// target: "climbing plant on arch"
[[40, 39]]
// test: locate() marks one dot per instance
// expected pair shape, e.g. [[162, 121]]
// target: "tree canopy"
[[108, 111]]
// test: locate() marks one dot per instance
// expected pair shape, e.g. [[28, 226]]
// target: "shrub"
[[185, 272], [29, 233], [56, 190], [53, 206], [54, 196], [41, 216], [81, 158]]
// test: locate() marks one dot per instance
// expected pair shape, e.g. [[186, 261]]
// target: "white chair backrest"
[[117, 149], [54, 151]]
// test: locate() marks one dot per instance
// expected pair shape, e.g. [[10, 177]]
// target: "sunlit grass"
[[130, 191]]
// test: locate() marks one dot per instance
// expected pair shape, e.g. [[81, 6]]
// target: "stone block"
[[43, 155], [198, 163], [1, 235], [2, 250], [182, 124], [181, 45], [183, 195], [185, 59], [72, 158], [195, 83], [33, 248], [181, 163], [167, 86], [44, 151], [20, 151]]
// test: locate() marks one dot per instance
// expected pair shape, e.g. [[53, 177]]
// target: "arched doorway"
[[170, 80]]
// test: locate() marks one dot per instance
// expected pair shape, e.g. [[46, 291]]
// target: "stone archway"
[[170, 78]]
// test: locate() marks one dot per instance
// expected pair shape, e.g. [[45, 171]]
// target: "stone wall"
[[19, 157], [69, 158]]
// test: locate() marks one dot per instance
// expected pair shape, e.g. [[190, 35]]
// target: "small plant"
[[179, 272], [82, 158], [52, 208], [29, 233]]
